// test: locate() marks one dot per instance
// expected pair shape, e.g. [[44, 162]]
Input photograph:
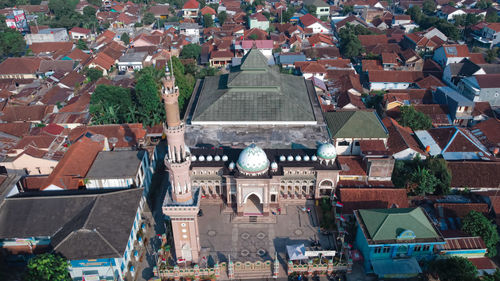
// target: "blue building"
[[392, 241]]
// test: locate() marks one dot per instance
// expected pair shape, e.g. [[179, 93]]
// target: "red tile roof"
[[394, 76], [351, 165], [71, 170], [483, 263], [488, 133], [478, 174], [463, 243], [462, 51], [308, 20], [50, 47], [13, 113], [191, 4], [460, 210], [20, 65], [389, 58], [429, 82], [15, 129], [82, 30], [207, 10], [370, 65], [370, 40], [372, 198], [127, 135], [400, 138]]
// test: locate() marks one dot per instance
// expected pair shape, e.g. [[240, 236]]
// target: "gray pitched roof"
[[116, 164], [254, 93], [355, 124], [85, 226]]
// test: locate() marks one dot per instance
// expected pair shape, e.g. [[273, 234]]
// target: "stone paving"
[[219, 237]]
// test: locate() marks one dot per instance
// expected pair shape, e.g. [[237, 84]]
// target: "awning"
[[396, 268], [296, 252]]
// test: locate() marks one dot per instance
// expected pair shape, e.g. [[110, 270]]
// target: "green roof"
[[355, 124], [255, 92], [388, 224]]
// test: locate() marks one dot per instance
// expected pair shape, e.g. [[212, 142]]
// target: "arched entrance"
[[253, 206]]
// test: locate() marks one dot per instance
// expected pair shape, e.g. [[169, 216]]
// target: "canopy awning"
[[296, 252]]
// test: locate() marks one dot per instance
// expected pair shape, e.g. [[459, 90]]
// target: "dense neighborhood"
[[249, 139]]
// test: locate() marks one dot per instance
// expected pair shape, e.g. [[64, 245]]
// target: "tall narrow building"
[[182, 200]]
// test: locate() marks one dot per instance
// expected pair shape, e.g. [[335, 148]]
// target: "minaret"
[[182, 200], [177, 159]]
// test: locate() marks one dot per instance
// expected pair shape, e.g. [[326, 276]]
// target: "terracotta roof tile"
[[372, 198], [400, 138], [474, 174], [394, 76], [15, 129], [191, 4], [20, 65], [460, 210]]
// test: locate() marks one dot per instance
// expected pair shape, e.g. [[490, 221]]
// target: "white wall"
[[375, 86]]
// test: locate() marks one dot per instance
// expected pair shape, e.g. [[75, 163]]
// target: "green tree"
[[483, 4], [222, 16], [47, 267], [184, 82], [311, 9], [439, 168], [415, 13], [81, 45], [288, 14], [414, 119], [422, 182], [477, 224], [429, 7], [97, 3], [347, 9], [109, 104], [93, 74], [208, 21], [12, 44], [491, 16], [451, 3], [491, 55], [492, 277], [148, 97], [454, 269], [191, 51], [125, 38], [89, 12], [148, 18], [350, 46], [253, 36]]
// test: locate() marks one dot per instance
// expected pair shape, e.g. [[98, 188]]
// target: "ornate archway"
[[252, 205]]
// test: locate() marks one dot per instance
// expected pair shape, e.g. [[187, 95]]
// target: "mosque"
[[251, 182]]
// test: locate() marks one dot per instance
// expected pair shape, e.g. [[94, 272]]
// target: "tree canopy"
[[93, 74], [148, 18], [47, 267], [222, 16], [414, 119], [427, 20], [191, 51], [125, 38], [454, 269], [110, 104], [476, 224], [350, 46], [147, 91], [208, 21], [429, 176]]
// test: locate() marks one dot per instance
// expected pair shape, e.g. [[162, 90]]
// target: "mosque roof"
[[256, 92], [355, 124]]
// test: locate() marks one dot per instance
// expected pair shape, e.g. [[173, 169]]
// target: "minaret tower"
[[182, 200]]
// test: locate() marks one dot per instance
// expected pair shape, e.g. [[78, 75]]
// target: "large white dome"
[[327, 151], [253, 160]]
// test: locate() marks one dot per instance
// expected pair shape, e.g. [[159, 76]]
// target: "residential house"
[[439, 114], [242, 47], [453, 144], [191, 9], [80, 228], [20, 68], [132, 61], [387, 80], [411, 60], [258, 20], [401, 20], [191, 30], [103, 62], [392, 241], [401, 142], [220, 58], [47, 35], [312, 23], [488, 133], [351, 20], [459, 107], [311, 69], [322, 8], [348, 128], [447, 54], [79, 33], [488, 36], [25, 113], [424, 41], [481, 88], [160, 11], [120, 169], [287, 60]]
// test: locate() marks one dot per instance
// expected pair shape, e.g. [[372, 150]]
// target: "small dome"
[[289, 158], [224, 158], [306, 158], [217, 158], [231, 166], [282, 158], [274, 165], [253, 159], [314, 158], [193, 158], [298, 158], [210, 158], [327, 151], [201, 158]]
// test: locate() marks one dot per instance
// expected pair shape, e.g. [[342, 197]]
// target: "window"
[[426, 248], [417, 248], [387, 249], [344, 143], [377, 250], [356, 143]]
